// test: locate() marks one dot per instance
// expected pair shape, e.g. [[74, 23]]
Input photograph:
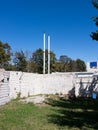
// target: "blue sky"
[[69, 23]]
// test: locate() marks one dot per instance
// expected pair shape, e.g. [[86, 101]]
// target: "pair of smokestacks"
[[44, 45]]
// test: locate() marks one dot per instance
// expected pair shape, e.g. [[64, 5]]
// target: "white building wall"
[[15, 83], [86, 84], [32, 84], [28, 84], [91, 69], [4, 87]]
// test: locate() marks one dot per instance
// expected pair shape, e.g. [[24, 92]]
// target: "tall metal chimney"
[[44, 42], [48, 54]]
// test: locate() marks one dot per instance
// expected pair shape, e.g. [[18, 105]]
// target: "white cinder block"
[[28, 84]]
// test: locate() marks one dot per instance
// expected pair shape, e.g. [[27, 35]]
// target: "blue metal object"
[[94, 95], [93, 64]]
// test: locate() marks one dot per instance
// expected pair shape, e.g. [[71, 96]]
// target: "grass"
[[59, 114]]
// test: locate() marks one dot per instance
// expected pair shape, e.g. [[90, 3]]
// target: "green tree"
[[80, 65], [72, 66], [37, 61], [52, 61], [94, 35], [61, 67], [20, 61], [5, 55]]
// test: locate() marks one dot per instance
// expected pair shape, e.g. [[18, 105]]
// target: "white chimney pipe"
[[44, 42], [48, 54]]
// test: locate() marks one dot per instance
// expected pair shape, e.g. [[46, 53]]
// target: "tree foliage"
[[64, 64], [5, 55], [20, 61], [34, 64], [37, 61], [69, 65], [94, 35], [80, 65]]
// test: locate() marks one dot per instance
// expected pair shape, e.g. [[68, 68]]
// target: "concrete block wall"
[[85, 86], [28, 84], [13, 84], [4, 87]]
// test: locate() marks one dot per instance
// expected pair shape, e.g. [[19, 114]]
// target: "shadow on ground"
[[81, 113]]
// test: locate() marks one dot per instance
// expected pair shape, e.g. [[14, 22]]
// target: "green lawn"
[[58, 114]]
